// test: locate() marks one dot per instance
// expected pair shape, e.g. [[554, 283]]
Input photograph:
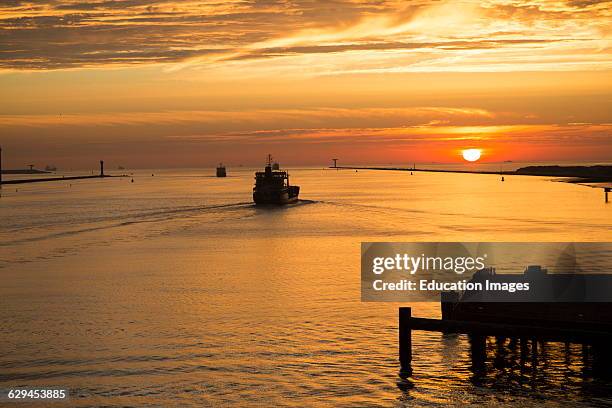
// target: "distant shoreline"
[[596, 173]]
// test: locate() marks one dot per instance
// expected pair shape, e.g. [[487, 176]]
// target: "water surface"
[[175, 290]]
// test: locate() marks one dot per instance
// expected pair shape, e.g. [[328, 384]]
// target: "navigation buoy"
[[132, 180]]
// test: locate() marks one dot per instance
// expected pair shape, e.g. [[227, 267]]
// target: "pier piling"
[[478, 351], [524, 350], [405, 341], [606, 191]]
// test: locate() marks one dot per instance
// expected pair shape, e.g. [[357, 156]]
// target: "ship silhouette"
[[221, 172], [272, 186]]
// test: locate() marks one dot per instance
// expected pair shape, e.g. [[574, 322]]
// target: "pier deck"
[[480, 330]]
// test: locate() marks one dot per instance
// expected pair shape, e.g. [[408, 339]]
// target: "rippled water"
[[175, 291]]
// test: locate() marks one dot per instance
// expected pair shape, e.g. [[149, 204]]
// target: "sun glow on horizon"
[[168, 83], [471, 155]]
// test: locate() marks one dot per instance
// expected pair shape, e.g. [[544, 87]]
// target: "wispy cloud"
[[136, 79], [384, 34], [384, 126], [258, 118]]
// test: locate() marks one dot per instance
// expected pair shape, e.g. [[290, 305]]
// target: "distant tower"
[[335, 162], [31, 166], [101, 168]]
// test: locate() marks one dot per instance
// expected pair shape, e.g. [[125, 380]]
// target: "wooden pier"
[[62, 178], [479, 330]]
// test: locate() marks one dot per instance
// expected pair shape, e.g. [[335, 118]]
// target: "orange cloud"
[[355, 36]]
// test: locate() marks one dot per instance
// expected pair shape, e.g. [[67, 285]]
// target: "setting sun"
[[471, 155]]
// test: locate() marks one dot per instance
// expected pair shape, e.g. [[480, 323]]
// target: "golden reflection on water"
[[176, 291]]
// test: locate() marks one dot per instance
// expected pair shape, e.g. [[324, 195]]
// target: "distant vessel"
[[272, 187], [221, 170]]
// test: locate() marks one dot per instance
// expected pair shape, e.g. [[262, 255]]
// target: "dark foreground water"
[[175, 291]]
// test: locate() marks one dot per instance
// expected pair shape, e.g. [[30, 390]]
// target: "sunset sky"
[[191, 83]]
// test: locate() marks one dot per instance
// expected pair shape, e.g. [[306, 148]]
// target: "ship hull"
[[278, 197]]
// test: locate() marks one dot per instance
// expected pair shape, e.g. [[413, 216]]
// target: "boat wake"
[[118, 220], [61, 237], [298, 203]]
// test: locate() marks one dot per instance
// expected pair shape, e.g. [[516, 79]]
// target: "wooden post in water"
[[478, 351], [524, 350], [405, 341], [606, 191], [101, 168], [0, 167]]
